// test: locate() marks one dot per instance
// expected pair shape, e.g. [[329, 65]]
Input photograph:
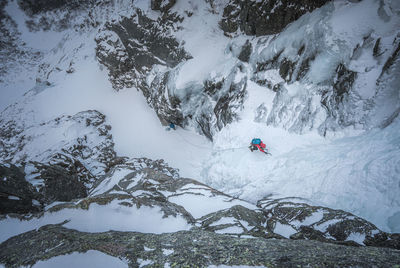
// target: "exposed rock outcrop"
[[195, 248], [264, 17], [129, 48], [16, 194]]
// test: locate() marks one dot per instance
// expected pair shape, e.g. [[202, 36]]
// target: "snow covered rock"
[[130, 47], [77, 148], [295, 220], [194, 248], [335, 81], [162, 5], [238, 221], [264, 17]]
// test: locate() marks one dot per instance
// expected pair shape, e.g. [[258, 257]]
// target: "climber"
[[171, 126], [257, 144]]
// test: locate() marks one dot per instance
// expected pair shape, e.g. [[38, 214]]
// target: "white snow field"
[[90, 258], [357, 172]]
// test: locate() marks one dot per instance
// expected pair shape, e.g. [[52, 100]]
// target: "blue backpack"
[[256, 141]]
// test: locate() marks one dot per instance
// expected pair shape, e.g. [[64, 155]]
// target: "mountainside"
[[88, 162]]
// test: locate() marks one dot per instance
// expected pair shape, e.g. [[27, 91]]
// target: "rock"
[[324, 224], [376, 51], [239, 221], [343, 81], [87, 153], [263, 17], [62, 15], [286, 69], [245, 52], [130, 47], [230, 102], [162, 5], [189, 249], [16, 194], [60, 184]]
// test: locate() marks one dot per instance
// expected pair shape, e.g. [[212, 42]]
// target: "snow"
[[201, 205], [313, 218], [100, 218], [167, 252], [207, 45], [323, 226], [224, 220], [11, 197], [90, 258], [356, 237], [109, 183], [32, 39], [284, 230], [230, 230], [143, 263]]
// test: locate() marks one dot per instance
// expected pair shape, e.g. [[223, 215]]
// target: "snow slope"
[[358, 173], [91, 258]]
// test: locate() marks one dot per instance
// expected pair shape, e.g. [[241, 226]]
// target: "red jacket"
[[261, 147]]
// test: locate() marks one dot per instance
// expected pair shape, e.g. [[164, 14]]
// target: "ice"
[[90, 258], [358, 174]]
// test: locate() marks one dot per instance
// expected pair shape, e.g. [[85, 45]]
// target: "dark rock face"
[[60, 184], [60, 15], [246, 52], [264, 17], [162, 5], [226, 105], [33, 7], [189, 249], [16, 194]]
